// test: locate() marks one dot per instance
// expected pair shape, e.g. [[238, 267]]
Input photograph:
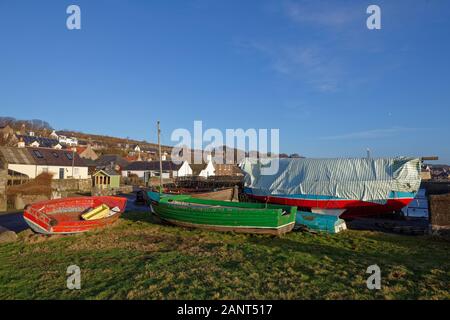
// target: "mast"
[[160, 159]]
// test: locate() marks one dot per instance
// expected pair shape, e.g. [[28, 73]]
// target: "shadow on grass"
[[338, 252]]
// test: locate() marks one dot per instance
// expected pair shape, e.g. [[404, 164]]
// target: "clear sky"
[[310, 68]]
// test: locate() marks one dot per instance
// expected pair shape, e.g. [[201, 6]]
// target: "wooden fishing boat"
[[64, 216], [224, 194], [187, 211]]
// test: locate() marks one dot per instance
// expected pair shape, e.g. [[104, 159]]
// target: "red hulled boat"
[[63, 216]]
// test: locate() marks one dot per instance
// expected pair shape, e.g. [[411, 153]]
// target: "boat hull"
[[63, 216], [349, 208], [226, 194], [241, 229], [215, 215]]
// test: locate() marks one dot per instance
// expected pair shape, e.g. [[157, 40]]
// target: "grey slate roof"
[[43, 142], [107, 159], [152, 166], [16, 155], [109, 171], [41, 156]]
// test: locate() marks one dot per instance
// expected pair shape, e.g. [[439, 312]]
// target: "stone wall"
[[63, 187], [72, 185], [21, 200], [440, 213], [111, 191]]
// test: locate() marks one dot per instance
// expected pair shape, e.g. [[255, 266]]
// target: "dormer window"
[[38, 154]]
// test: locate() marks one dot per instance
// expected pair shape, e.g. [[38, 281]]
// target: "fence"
[[210, 182]]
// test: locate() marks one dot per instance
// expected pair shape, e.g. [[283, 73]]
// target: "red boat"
[[342, 187], [63, 216]]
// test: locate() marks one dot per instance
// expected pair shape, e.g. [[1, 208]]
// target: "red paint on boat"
[[61, 216], [353, 208]]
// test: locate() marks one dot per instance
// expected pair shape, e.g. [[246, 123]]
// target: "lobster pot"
[[440, 213], [320, 222]]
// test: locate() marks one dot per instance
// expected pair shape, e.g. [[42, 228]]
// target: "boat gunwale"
[[226, 205]]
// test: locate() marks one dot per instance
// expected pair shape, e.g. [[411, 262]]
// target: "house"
[[112, 160], [149, 150], [37, 142], [106, 178], [86, 152], [227, 170], [72, 141], [145, 169], [63, 164], [204, 170], [54, 135]]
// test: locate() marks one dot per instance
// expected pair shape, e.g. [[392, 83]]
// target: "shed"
[[106, 178]]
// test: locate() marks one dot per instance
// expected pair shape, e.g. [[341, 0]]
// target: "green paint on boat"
[[223, 215]]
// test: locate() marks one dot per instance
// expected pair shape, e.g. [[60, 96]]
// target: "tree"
[[295, 155]]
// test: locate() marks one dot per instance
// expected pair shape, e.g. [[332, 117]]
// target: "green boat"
[[183, 210]]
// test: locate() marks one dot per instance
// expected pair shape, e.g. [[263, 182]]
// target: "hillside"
[[112, 142], [109, 144]]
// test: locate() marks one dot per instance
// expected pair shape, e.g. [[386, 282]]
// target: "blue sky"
[[310, 68]]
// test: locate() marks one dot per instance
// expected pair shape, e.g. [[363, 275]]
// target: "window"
[[38, 154], [68, 155]]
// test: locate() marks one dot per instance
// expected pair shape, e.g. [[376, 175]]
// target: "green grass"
[[138, 259]]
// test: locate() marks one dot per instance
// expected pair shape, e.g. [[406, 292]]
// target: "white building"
[[37, 142], [54, 135], [31, 162], [144, 169], [205, 169], [72, 141]]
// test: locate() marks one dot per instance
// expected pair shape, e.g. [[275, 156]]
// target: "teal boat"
[[320, 222], [186, 211]]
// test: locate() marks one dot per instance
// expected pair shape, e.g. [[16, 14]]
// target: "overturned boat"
[[186, 211], [342, 187], [74, 215]]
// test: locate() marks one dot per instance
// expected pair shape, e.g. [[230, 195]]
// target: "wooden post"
[[73, 161], [429, 158], [160, 160]]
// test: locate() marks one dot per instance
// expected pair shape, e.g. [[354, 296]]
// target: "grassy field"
[[138, 259]]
